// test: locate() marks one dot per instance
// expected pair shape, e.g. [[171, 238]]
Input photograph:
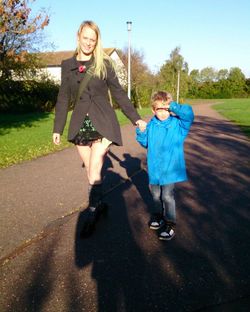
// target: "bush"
[[27, 96]]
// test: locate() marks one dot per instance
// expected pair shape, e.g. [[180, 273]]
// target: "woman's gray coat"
[[94, 101]]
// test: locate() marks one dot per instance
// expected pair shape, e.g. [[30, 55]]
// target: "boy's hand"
[[169, 100], [141, 124]]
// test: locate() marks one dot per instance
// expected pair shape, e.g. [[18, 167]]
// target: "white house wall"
[[55, 72]]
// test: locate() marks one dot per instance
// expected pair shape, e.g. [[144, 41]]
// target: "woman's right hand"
[[141, 124], [56, 138]]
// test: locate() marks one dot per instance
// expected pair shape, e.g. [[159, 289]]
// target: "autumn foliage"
[[17, 35]]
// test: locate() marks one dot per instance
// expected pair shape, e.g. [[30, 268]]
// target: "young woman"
[[93, 125]]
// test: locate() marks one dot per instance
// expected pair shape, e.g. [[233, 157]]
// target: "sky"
[[210, 33]]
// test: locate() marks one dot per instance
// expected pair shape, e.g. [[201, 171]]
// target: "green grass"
[[145, 111], [26, 137], [237, 111]]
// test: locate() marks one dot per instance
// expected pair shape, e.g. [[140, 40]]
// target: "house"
[[52, 64]]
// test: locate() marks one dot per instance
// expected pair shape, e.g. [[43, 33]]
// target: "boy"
[[164, 139]]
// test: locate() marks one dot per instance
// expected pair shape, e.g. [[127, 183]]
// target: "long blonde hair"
[[100, 56]]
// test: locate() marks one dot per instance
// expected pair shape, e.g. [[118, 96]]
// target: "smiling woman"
[[86, 42], [93, 125]]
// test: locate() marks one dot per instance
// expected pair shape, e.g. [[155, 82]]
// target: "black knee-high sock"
[[95, 195]]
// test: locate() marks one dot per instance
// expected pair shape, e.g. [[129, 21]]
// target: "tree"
[[208, 74], [222, 74], [237, 82], [193, 81], [195, 75], [248, 86], [142, 80], [19, 35], [169, 72]]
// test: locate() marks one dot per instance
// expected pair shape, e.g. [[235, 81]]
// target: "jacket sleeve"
[[120, 95], [142, 137], [185, 114], [63, 100]]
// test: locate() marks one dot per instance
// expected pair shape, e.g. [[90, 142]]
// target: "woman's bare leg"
[[97, 156], [85, 152], [93, 158]]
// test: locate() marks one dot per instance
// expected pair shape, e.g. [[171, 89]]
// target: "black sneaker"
[[156, 222], [92, 215], [167, 232], [102, 209], [89, 222]]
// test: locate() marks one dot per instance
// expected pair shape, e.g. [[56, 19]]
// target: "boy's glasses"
[[161, 109]]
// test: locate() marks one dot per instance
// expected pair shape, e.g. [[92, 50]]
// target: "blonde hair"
[[161, 96], [100, 56]]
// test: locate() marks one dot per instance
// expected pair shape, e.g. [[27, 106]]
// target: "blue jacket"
[[164, 141]]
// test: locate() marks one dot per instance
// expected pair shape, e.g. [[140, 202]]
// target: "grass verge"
[[237, 111], [28, 136]]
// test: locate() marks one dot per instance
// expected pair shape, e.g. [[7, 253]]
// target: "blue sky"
[[210, 33]]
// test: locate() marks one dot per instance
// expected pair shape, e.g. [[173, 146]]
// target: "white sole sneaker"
[[166, 236]]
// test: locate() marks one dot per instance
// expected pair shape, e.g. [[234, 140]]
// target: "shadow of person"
[[121, 271], [134, 165], [113, 254], [200, 267]]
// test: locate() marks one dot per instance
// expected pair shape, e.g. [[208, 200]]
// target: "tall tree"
[[222, 74], [237, 82], [193, 83], [142, 80], [168, 74], [19, 34], [208, 74]]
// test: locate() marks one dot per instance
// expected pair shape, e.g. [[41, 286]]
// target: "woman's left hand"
[[141, 124]]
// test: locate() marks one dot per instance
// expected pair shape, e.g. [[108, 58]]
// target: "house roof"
[[55, 58]]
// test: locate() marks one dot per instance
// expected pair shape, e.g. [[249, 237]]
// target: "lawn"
[[236, 110], [25, 137]]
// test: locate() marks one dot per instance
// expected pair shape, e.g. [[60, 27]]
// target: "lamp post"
[[129, 25], [178, 86]]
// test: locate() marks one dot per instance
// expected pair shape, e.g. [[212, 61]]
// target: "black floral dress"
[[87, 133]]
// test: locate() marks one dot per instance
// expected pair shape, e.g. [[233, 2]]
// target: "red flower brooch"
[[82, 68]]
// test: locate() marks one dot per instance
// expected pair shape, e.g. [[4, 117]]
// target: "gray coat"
[[94, 102]]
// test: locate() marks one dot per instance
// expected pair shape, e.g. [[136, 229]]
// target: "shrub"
[[27, 96]]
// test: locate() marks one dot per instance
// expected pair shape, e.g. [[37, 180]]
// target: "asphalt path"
[[46, 266]]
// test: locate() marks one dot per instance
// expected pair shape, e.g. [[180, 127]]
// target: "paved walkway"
[[45, 266]]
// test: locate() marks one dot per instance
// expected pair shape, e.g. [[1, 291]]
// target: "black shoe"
[[89, 223], [92, 216], [156, 222], [102, 209], [167, 232]]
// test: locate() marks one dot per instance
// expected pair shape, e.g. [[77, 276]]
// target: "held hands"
[[56, 138], [141, 124]]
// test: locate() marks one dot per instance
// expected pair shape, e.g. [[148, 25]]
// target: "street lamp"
[[178, 86], [129, 25]]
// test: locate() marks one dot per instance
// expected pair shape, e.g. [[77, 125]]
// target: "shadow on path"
[[123, 266], [122, 274]]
